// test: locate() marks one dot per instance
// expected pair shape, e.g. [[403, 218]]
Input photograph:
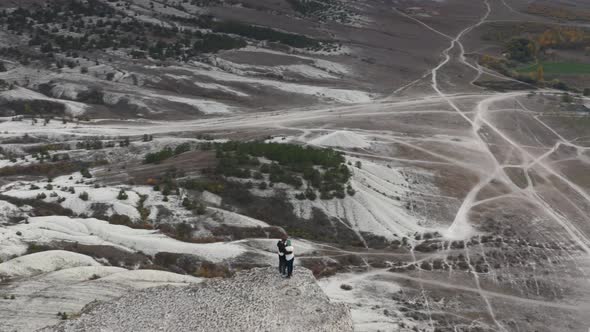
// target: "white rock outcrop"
[[254, 300]]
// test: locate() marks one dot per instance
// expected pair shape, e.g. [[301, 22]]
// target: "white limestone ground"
[[338, 95], [105, 196], [374, 208], [203, 105], [72, 107], [304, 70], [341, 138], [370, 300], [45, 283], [7, 210], [41, 262], [44, 230], [254, 300]]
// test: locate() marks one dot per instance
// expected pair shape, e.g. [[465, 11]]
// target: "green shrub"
[[85, 173], [184, 231], [157, 157], [188, 203], [122, 195], [350, 191], [520, 49], [200, 209], [165, 153], [182, 148], [310, 194], [33, 248], [83, 196]]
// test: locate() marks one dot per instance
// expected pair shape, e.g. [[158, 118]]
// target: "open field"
[[558, 68]]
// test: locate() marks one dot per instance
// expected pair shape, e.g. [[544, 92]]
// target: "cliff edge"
[[253, 300]]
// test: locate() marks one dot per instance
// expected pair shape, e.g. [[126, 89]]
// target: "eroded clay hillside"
[[428, 160]]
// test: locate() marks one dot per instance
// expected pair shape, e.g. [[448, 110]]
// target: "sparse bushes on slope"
[[120, 219], [45, 169], [264, 33], [40, 207], [165, 153]]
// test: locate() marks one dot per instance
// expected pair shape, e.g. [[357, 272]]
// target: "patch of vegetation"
[[189, 264], [532, 49], [47, 169], [120, 219], [278, 211], [264, 33], [157, 157], [34, 248], [76, 26], [322, 169], [508, 68], [40, 207], [85, 173], [83, 196], [181, 231], [202, 185], [90, 144], [557, 11], [212, 270], [521, 49], [143, 211], [233, 233], [324, 10], [286, 154], [62, 315], [557, 68], [122, 195], [195, 206], [165, 153]]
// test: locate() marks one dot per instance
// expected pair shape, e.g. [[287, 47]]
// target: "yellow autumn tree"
[[540, 73]]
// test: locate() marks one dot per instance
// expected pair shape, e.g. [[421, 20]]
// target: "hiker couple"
[[286, 257]]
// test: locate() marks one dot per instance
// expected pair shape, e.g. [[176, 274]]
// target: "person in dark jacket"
[[289, 257], [282, 259]]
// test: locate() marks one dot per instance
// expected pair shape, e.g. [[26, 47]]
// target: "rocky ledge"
[[253, 300]]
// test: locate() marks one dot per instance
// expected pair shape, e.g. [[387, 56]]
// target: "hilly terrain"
[[428, 159]]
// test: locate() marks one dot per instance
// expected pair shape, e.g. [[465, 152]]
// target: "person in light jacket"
[[282, 260], [290, 257]]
